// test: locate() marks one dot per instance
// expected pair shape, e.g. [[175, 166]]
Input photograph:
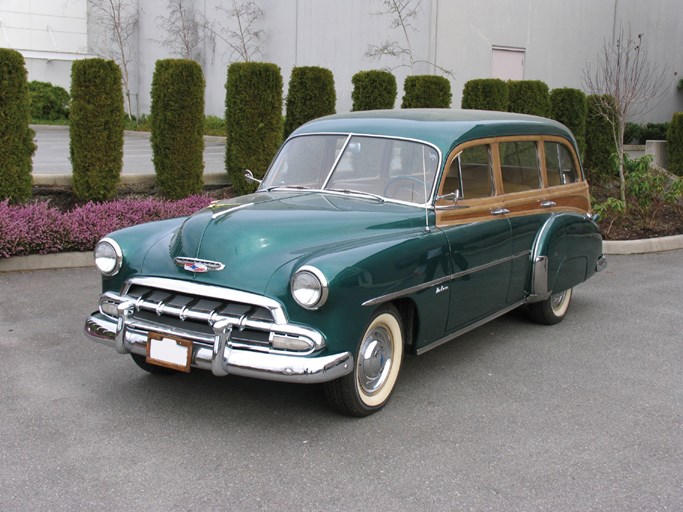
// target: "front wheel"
[[552, 310], [377, 362]]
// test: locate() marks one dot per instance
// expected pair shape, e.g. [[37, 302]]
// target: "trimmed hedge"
[[96, 128], [529, 97], [177, 138], [372, 90], [570, 107], [49, 102], [600, 145], [486, 94], [253, 116], [426, 91], [16, 138], [674, 139], [310, 94]]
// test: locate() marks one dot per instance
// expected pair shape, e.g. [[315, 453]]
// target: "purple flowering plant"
[[40, 229]]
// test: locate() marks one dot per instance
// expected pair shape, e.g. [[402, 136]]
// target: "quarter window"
[[519, 166], [470, 173], [559, 164]]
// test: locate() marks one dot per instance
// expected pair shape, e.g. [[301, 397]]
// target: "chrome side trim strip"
[[436, 282], [469, 328], [214, 292]]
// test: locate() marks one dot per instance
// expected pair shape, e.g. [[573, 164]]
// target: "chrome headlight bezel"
[[115, 257], [311, 279]]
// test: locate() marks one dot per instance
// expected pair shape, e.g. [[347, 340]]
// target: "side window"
[[470, 173], [559, 164], [519, 166]]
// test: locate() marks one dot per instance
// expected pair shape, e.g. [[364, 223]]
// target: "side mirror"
[[455, 196], [250, 177]]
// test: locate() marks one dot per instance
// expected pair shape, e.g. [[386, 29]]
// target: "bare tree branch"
[[243, 38], [631, 81], [184, 29], [403, 15], [118, 20]]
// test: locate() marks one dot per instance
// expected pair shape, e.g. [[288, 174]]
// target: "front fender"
[[358, 273], [565, 253]]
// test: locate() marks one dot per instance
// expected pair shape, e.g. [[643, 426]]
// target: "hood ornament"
[[199, 266]]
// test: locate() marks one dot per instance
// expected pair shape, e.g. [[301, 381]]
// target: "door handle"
[[548, 204], [500, 211]]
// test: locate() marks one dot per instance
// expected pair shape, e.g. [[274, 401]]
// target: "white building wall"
[[558, 38], [50, 34]]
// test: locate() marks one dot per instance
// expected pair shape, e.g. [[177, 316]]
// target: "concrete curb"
[[665, 243], [65, 180], [47, 261], [85, 259]]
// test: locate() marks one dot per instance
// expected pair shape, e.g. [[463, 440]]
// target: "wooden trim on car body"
[[571, 197]]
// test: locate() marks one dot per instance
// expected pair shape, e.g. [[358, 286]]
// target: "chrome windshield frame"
[[428, 204]]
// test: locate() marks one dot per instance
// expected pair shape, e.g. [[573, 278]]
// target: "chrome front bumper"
[[127, 337]]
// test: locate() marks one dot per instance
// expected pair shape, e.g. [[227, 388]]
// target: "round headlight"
[[108, 256], [309, 287]]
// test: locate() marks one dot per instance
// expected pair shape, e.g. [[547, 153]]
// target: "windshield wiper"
[[288, 187], [356, 192]]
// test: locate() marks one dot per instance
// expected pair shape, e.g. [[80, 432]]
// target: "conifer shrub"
[[426, 91], [253, 116], [570, 107], [372, 90], [674, 139], [177, 114], [96, 128], [48, 102], [600, 143], [16, 138], [486, 94], [310, 94], [529, 97]]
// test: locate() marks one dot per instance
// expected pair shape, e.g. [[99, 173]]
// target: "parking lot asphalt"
[[52, 153], [585, 415]]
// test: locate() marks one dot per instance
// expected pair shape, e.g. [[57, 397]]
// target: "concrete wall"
[[558, 39], [49, 33]]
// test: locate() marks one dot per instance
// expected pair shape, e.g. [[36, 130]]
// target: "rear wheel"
[[551, 310], [377, 363], [141, 361]]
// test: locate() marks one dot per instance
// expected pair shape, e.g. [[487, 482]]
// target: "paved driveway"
[[52, 154], [585, 415]]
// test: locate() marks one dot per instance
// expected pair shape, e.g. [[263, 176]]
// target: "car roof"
[[445, 128]]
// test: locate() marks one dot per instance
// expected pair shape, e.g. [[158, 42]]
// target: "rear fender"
[[563, 254]]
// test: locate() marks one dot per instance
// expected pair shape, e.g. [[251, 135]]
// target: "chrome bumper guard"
[[601, 264], [128, 335]]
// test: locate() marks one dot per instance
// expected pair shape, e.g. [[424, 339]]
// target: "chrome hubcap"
[[374, 360], [557, 300]]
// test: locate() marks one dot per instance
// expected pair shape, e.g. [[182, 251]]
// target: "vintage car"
[[372, 235]]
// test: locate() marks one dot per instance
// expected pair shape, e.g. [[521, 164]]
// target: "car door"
[[478, 232], [539, 177]]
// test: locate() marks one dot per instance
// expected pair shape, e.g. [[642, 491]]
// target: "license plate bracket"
[[169, 351]]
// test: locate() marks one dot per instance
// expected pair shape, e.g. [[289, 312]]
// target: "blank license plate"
[[168, 351]]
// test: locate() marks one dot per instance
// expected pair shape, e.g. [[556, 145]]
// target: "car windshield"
[[391, 168]]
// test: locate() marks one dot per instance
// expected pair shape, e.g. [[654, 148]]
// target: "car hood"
[[255, 235]]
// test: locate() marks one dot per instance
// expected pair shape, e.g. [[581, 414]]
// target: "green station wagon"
[[372, 235]]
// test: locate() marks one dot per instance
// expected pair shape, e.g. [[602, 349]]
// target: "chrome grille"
[[192, 310], [198, 314]]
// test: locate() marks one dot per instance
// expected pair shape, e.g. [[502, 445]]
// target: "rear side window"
[[471, 173], [559, 164], [519, 166]]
